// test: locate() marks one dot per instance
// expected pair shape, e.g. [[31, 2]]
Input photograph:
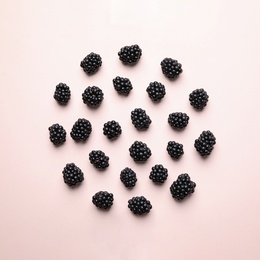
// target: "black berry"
[[122, 85], [140, 119], [103, 199], [62, 93], [99, 159], [139, 205], [72, 174], [174, 149], [158, 174], [156, 91], [171, 68], [198, 98], [205, 143], [178, 120], [93, 96], [128, 177], [81, 130], [130, 54], [91, 63], [112, 129], [139, 151], [57, 134], [182, 187]]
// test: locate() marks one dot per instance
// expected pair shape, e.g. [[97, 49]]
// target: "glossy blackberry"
[[182, 187], [122, 85], [128, 177], [62, 93], [174, 149], [91, 63], [72, 174], [156, 91], [103, 199], [178, 120], [99, 159], [205, 143], [130, 54], [140, 119], [139, 205], [139, 151], [81, 130], [93, 96], [171, 68], [112, 129], [158, 174], [57, 134], [198, 98]]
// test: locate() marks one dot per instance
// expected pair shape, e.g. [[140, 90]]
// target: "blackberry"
[[182, 187], [62, 93], [205, 143], [112, 129], [139, 151], [140, 119], [93, 96], [139, 205], [174, 149], [130, 54], [171, 68], [103, 199], [72, 174], [99, 159], [178, 120], [156, 91], [91, 63], [128, 177], [198, 98], [57, 134], [81, 130], [158, 174], [122, 85]]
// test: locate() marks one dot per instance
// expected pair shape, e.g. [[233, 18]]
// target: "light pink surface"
[[42, 44]]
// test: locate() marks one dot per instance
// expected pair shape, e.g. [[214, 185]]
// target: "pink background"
[[42, 44]]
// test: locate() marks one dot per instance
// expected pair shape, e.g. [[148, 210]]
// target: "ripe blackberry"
[[174, 149], [178, 120], [140, 119], [205, 143], [112, 129], [130, 54], [57, 134], [81, 130], [122, 85], [171, 68], [72, 174], [103, 199], [139, 205], [99, 159], [182, 187], [139, 151], [62, 93], [128, 177], [156, 91], [91, 63], [198, 98], [93, 96], [158, 174]]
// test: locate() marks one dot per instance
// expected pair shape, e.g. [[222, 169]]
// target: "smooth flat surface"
[[42, 44]]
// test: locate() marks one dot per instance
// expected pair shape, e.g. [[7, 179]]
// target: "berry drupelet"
[[178, 120], [140, 119], [91, 63], [112, 129], [198, 98], [139, 151], [156, 91], [174, 149], [205, 143], [103, 199], [139, 205], [81, 130], [99, 159], [182, 187], [72, 174], [62, 93], [171, 68], [57, 134], [122, 85], [93, 96], [130, 54], [158, 174], [128, 177]]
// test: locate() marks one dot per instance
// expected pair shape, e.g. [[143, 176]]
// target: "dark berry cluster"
[[205, 143], [171, 68], [122, 85], [81, 130], [72, 174], [174, 149], [103, 199], [156, 91], [140, 119], [93, 96], [62, 93], [112, 129], [128, 177], [57, 134], [130, 54], [139, 151], [139, 205], [99, 159], [199, 98], [178, 120], [91, 63], [158, 174]]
